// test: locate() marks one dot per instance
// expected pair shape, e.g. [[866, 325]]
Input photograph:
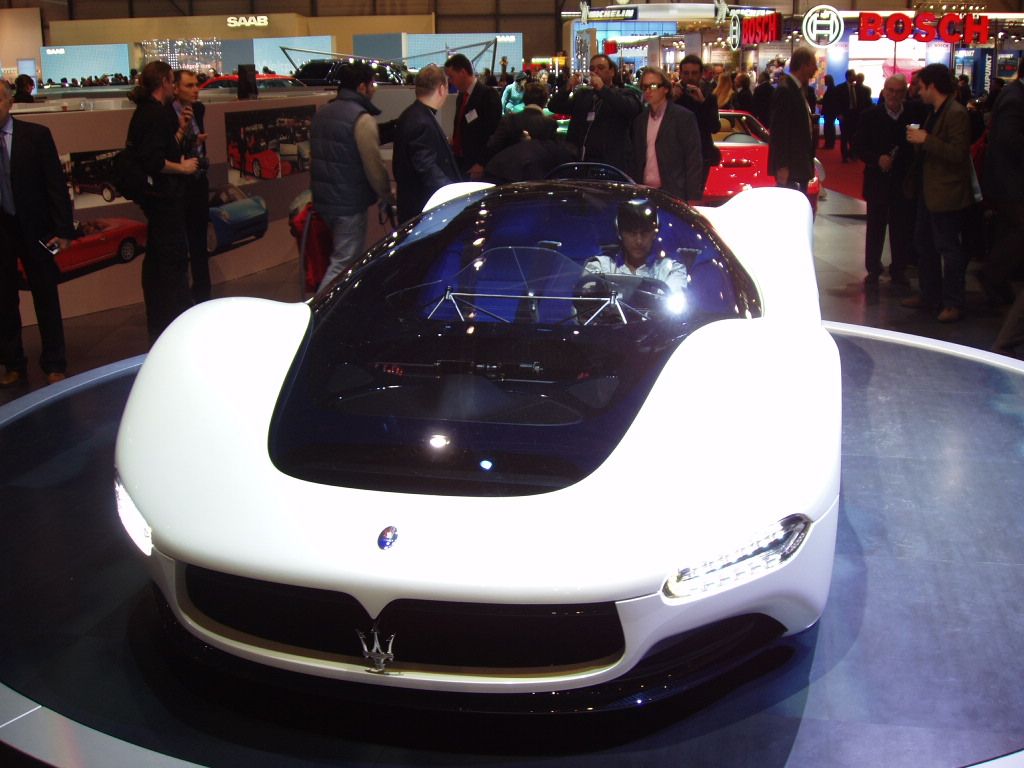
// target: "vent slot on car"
[[430, 633]]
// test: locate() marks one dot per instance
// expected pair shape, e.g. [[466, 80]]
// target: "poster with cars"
[[267, 144]]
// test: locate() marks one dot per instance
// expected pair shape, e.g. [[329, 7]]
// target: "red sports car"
[[258, 160], [99, 242], [743, 142]]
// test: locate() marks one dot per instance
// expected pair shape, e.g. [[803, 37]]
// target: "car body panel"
[[743, 142], [666, 496]]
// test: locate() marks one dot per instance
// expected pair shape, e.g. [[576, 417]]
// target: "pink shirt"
[[652, 176]]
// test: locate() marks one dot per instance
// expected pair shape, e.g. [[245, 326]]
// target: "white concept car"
[[572, 439]]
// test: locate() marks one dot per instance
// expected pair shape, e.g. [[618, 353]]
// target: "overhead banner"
[[925, 27]]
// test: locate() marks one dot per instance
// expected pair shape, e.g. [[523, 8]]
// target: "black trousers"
[[165, 265], [197, 219], [42, 274], [895, 213]]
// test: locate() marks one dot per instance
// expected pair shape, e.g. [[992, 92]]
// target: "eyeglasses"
[[653, 86]]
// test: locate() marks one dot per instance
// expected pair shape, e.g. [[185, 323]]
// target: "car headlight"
[[755, 558], [134, 524]]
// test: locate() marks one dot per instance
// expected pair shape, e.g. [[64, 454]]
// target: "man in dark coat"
[[792, 141], [35, 216], [423, 161], [698, 98], [601, 113], [477, 111], [1003, 184], [196, 188], [763, 98], [666, 141], [847, 100], [881, 143], [531, 121]]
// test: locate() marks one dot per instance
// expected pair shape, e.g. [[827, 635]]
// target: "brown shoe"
[[913, 302], [949, 315], [54, 377], [13, 379]]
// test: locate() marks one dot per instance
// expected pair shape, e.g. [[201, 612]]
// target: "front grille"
[[473, 635]]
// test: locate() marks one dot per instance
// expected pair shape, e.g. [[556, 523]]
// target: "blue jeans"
[[348, 234], [941, 259]]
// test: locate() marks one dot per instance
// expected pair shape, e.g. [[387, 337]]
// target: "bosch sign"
[[248, 21], [925, 27], [762, 29]]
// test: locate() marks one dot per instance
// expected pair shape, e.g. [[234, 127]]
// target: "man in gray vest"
[[348, 172]]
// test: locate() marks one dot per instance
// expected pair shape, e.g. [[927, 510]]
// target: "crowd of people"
[[927, 166]]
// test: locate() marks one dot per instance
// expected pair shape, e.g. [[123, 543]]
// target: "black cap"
[[638, 214]]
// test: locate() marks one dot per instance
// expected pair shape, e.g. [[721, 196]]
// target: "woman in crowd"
[[724, 91], [154, 143]]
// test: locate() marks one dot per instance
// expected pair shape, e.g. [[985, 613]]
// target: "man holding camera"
[[698, 98], [190, 112]]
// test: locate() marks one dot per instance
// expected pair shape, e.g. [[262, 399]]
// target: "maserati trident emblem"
[[387, 537], [377, 656]]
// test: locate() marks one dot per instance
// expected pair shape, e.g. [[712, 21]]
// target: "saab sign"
[[925, 27], [248, 21]]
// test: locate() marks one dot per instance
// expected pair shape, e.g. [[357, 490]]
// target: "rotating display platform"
[[918, 659]]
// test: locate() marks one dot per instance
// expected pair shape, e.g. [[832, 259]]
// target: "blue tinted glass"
[[502, 343]]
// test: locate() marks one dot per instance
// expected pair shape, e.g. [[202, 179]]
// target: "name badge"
[[471, 116], [591, 116]]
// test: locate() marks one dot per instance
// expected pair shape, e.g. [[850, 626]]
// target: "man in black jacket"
[[423, 162], [155, 140], [792, 141], [600, 114], [477, 111], [531, 121], [196, 188], [881, 142], [1003, 185], [699, 99], [35, 216]]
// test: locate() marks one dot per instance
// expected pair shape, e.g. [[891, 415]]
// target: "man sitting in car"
[[639, 251]]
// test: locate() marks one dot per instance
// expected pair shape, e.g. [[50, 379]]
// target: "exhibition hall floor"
[[917, 660]]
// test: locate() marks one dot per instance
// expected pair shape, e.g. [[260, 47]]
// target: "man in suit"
[[600, 114], [942, 177], [847, 100], [792, 141], [666, 141], [477, 111], [35, 225], [697, 97], [763, 93], [1003, 185], [881, 143], [188, 109], [423, 161]]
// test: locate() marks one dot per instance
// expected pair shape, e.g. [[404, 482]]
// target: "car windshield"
[[501, 344], [740, 128]]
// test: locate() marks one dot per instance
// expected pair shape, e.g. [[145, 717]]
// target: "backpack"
[[128, 176]]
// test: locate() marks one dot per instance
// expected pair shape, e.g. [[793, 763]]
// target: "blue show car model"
[[234, 217]]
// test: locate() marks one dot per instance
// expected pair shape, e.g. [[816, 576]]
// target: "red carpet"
[[846, 178]]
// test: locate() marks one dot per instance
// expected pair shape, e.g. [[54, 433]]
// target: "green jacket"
[[944, 160]]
